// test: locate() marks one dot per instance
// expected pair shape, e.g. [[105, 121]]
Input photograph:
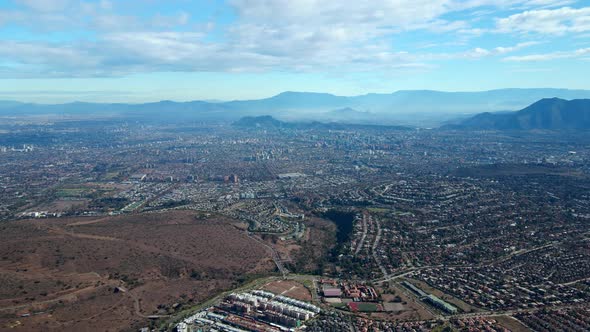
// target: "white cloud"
[[328, 32], [105, 4], [170, 21], [478, 52], [550, 3], [517, 47], [98, 16], [550, 56], [335, 34], [114, 22], [283, 35], [394, 13], [45, 5], [547, 21], [50, 60]]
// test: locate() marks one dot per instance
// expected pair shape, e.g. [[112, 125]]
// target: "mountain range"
[[548, 114], [412, 107]]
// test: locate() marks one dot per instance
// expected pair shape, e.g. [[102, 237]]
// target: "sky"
[[55, 51]]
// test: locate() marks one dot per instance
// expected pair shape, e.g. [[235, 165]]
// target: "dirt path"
[[64, 297], [61, 231], [288, 290], [137, 307], [89, 222]]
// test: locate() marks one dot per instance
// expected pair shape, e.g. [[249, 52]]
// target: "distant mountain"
[[348, 115], [417, 107], [8, 103], [292, 101], [267, 122], [405, 102], [263, 122], [346, 111], [428, 101], [548, 113]]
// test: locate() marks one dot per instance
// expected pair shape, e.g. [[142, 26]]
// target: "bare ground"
[[110, 274]]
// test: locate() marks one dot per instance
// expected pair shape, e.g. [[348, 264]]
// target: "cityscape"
[[294, 166], [373, 229]]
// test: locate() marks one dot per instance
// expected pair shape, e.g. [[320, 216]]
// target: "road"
[[374, 247], [510, 312], [275, 256], [407, 271], [361, 243]]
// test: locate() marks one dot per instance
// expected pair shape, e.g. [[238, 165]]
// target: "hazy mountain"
[[418, 107], [548, 113], [347, 112], [8, 103], [428, 101], [263, 122], [292, 101], [348, 115], [267, 122], [411, 101]]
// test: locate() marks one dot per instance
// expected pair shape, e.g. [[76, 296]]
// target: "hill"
[[264, 122], [548, 113]]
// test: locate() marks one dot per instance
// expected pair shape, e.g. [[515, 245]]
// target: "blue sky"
[[146, 50]]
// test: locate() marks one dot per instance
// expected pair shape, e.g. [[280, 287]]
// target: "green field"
[[368, 307], [364, 307]]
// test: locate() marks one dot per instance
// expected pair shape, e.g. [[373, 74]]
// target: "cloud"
[[517, 47], [45, 5], [170, 21], [550, 56], [329, 36], [98, 16], [314, 30], [550, 3], [56, 60], [105, 4], [478, 52], [547, 21], [397, 13]]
